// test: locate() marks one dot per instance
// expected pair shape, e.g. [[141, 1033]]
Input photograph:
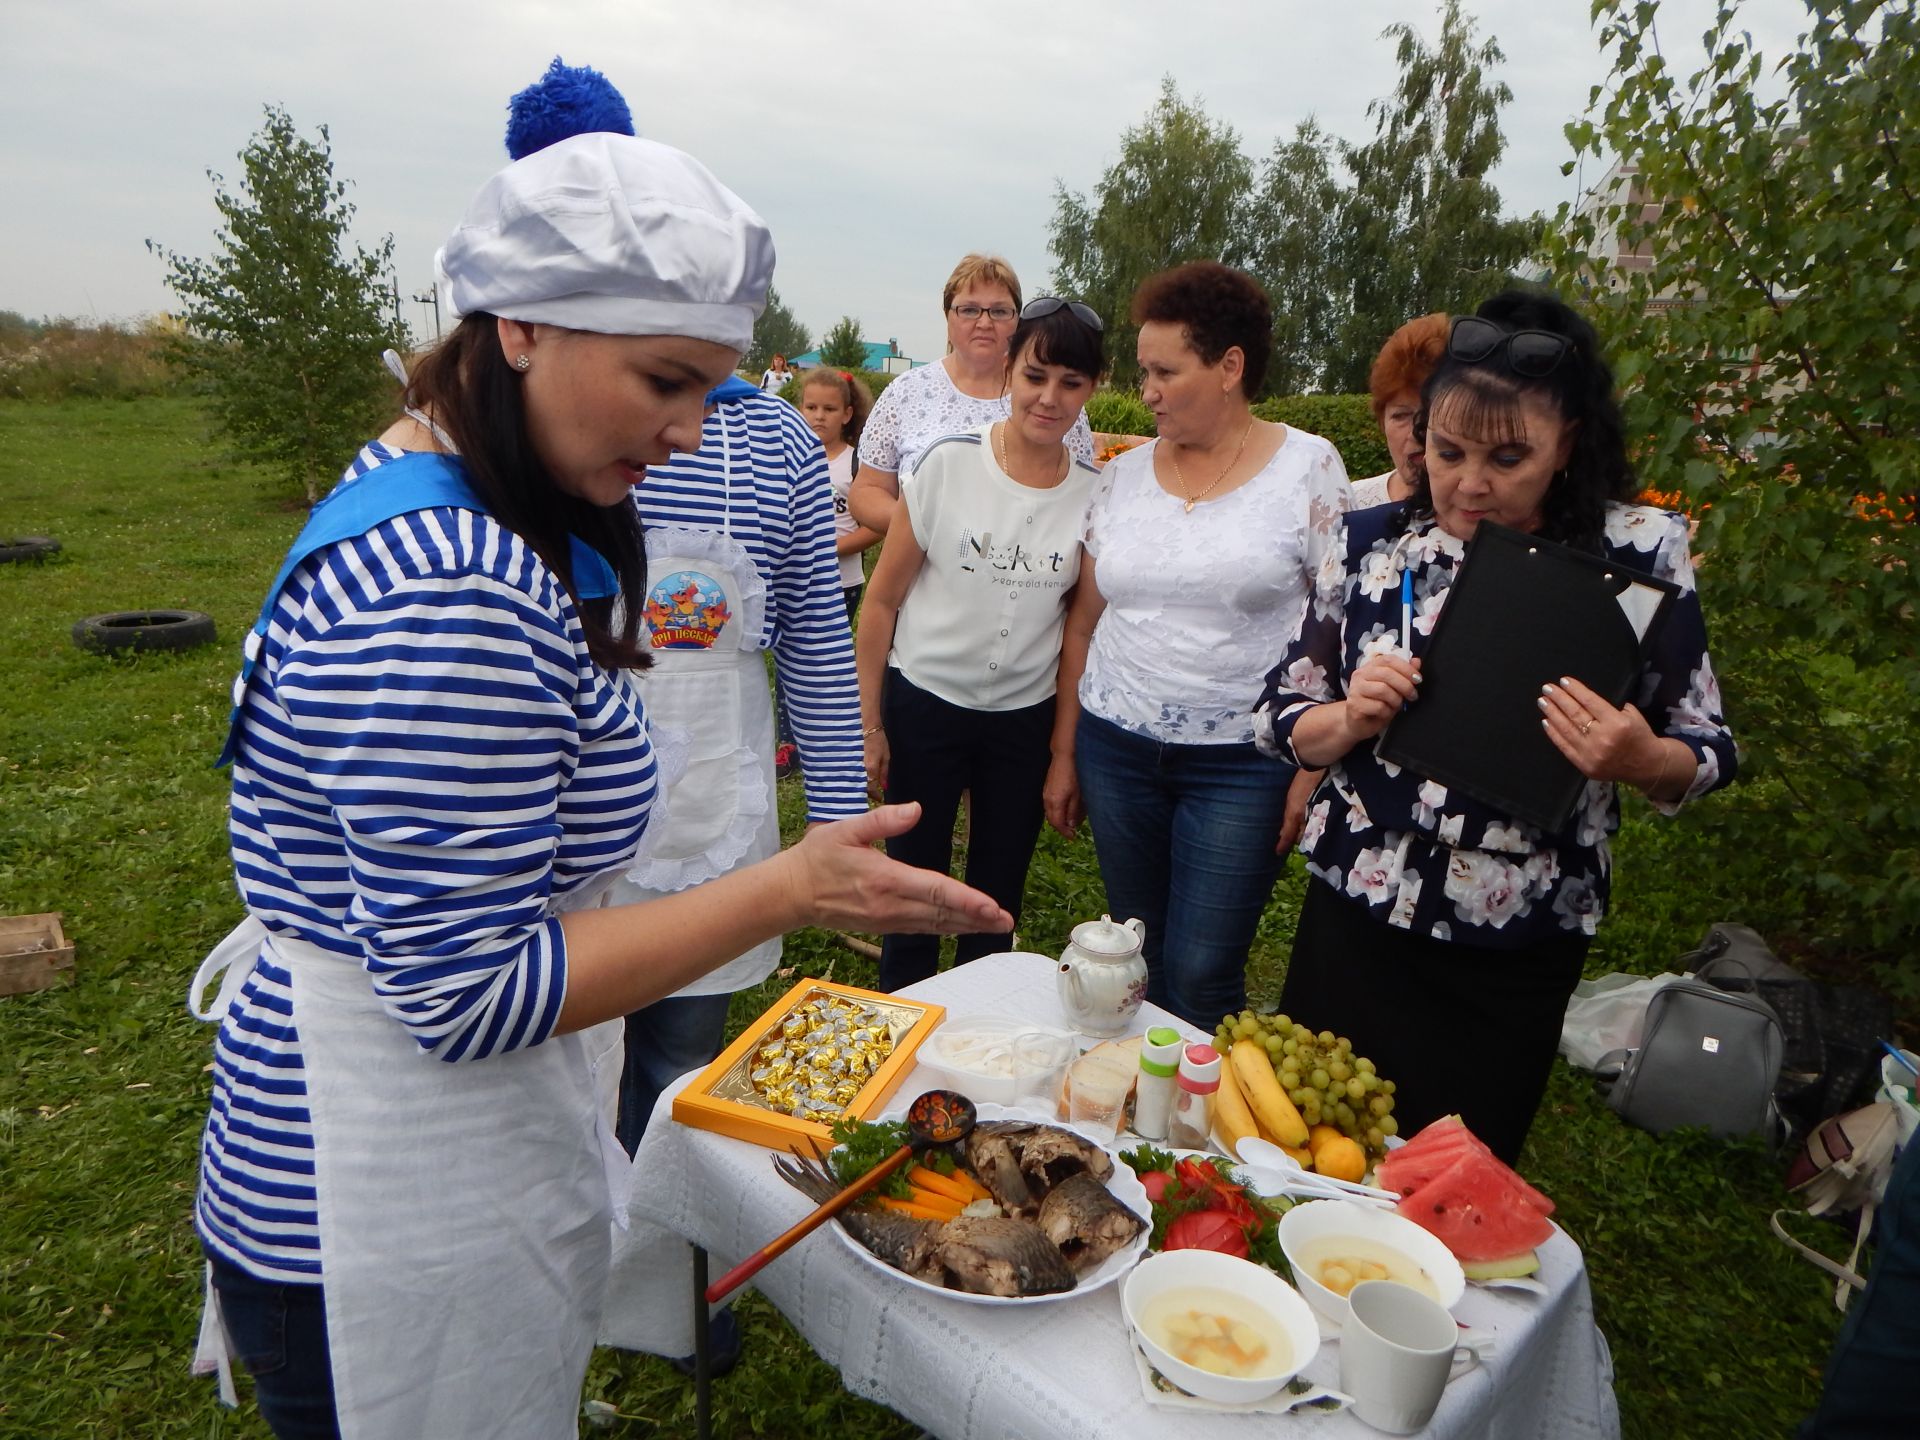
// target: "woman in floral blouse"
[[1445, 937]]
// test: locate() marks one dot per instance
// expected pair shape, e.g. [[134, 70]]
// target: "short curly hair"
[[1219, 308], [979, 269], [1407, 359]]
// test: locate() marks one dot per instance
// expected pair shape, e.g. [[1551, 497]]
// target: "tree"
[[1756, 281], [1300, 207], [778, 331], [843, 348], [1421, 229], [1178, 192], [284, 324]]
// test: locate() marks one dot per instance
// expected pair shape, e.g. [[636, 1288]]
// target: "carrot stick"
[[974, 1187], [919, 1212], [929, 1200], [939, 1184]]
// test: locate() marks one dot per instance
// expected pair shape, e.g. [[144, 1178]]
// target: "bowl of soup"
[[1333, 1245], [1218, 1326]]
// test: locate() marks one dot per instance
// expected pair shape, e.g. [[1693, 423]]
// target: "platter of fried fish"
[[1063, 1218]]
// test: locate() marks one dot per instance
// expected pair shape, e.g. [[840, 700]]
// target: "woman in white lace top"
[[954, 396], [1201, 547]]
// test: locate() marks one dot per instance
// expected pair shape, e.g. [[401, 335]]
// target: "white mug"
[[1396, 1350]]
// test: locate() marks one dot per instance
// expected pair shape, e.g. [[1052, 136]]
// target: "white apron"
[[463, 1211], [705, 609]]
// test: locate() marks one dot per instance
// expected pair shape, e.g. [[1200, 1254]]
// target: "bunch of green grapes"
[[1326, 1081]]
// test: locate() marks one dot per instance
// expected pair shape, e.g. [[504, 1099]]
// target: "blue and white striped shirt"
[[780, 508], [428, 760]]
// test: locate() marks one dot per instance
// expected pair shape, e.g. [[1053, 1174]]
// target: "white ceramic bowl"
[[997, 1061], [1313, 1220], [1178, 1269]]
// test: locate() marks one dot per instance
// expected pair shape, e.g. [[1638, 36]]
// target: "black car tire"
[[143, 630], [28, 547]]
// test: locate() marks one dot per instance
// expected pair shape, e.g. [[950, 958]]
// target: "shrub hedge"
[[1346, 420]]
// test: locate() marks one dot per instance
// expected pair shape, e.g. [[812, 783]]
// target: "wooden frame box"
[[721, 1099], [34, 954]]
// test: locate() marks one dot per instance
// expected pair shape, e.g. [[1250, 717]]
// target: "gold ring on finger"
[[1585, 726]]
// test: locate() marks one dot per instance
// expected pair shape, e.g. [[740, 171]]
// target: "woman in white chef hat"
[[439, 761]]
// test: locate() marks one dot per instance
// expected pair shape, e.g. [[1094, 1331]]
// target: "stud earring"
[[522, 363]]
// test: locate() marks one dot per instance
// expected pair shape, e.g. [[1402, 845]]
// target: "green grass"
[[111, 812]]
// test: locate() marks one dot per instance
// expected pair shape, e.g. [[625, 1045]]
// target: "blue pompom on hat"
[[568, 100]]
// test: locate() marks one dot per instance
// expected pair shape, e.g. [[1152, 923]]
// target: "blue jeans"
[[665, 1041], [1185, 836], [279, 1333]]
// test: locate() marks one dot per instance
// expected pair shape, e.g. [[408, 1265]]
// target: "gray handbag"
[[1708, 1057]]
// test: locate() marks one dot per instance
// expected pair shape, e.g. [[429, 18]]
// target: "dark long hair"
[[466, 384], [1485, 393]]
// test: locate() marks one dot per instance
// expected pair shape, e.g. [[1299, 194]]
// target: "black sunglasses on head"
[[1044, 306], [1532, 353]]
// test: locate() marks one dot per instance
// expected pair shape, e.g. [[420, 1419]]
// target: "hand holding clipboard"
[[1522, 614]]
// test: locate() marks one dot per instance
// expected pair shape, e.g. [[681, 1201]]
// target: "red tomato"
[[1159, 1185], [1207, 1230]]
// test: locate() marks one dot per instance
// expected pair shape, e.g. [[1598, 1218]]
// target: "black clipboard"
[[1522, 613]]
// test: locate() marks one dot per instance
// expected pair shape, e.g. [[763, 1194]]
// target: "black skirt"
[[1460, 1029]]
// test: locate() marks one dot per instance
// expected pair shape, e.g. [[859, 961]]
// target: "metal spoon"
[[939, 1117]]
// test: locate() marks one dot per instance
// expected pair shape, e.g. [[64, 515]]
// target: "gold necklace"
[[1000, 443], [1173, 453]]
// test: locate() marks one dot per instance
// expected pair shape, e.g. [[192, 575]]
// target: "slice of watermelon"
[[1479, 1209], [1436, 1149]]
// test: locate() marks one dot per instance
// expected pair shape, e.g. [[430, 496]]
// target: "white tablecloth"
[[1046, 1371]]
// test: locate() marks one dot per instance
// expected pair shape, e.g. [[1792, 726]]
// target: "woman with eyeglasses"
[[959, 640], [959, 393], [1201, 548], [1442, 936]]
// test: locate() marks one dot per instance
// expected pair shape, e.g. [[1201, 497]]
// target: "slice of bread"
[[1127, 1049]]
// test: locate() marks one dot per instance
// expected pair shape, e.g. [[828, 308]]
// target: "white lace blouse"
[[1198, 602]]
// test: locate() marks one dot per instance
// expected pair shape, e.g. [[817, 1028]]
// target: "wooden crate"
[[34, 954]]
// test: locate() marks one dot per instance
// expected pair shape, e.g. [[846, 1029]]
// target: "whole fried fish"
[[1085, 1222], [902, 1241], [1049, 1155], [995, 1256]]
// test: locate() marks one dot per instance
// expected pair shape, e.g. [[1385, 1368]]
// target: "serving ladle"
[[939, 1117]]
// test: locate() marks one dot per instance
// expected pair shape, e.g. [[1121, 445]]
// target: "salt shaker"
[[1154, 1095], [1192, 1127]]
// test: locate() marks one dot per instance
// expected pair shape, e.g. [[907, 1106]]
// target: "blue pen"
[[1901, 1058], [1406, 613]]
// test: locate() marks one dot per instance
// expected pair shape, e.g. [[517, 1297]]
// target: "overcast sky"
[[881, 139]]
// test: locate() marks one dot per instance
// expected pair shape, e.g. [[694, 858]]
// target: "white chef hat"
[[612, 234]]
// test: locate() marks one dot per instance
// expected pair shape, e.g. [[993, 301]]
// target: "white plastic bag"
[[1897, 1085], [1607, 1014]]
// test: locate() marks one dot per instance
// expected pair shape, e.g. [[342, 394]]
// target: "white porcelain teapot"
[[1103, 976]]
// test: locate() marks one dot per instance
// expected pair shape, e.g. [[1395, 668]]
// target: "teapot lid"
[[1104, 937]]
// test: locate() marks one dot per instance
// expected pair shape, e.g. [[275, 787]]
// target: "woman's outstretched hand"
[[839, 881]]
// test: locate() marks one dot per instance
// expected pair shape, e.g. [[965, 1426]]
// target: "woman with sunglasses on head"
[[1433, 922], [1201, 548], [964, 390], [440, 763], [959, 640]]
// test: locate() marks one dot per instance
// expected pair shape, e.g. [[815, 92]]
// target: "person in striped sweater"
[[441, 761]]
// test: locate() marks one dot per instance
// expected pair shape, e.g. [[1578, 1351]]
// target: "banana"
[[1231, 1117], [1271, 1108]]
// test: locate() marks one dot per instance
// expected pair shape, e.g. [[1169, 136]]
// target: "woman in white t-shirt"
[[1201, 547], [963, 391], [835, 406], [959, 643], [775, 378]]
